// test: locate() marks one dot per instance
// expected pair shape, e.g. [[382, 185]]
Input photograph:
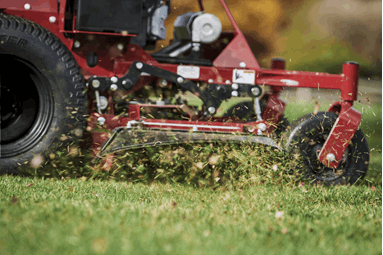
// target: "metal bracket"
[[130, 79], [341, 133]]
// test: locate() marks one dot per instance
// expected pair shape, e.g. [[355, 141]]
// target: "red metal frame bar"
[[341, 133], [201, 7]]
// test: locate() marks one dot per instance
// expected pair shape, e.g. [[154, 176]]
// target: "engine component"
[[197, 27], [156, 25], [121, 15], [206, 28]]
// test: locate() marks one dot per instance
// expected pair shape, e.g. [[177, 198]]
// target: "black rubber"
[[242, 110], [43, 104], [306, 137], [245, 111]]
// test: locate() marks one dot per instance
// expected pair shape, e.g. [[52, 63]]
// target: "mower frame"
[[121, 60]]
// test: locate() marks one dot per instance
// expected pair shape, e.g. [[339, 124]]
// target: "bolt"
[[103, 103], [180, 80], [196, 46], [139, 65], [234, 86], [52, 19], [211, 110], [234, 93], [164, 82], [114, 79], [262, 126], [113, 87], [27, 6], [330, 157], [96, 83], [120, 46], [101, 121], [242, 64], [255, 91], [77, 44]]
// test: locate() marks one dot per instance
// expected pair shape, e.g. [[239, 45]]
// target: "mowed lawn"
[[47, 216], [263, 213]]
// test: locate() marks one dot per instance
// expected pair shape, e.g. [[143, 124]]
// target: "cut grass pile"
[[213, 164], [73, 216]]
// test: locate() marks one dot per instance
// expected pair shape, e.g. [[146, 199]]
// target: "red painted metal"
[[220, 75], [341, 133], [201, 7], [61, 21], [209, 125], [350, 87], [274, 110], [34, 5], [74, 31], [98, 138], [278, 64], [238, 50], [116, 62]]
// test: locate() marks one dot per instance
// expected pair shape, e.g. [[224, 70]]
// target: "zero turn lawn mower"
[[71, 65]]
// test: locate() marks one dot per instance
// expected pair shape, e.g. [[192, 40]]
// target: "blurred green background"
[[311, 35]]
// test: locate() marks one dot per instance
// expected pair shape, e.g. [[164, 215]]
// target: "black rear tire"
[[307, 136], [43, 104]]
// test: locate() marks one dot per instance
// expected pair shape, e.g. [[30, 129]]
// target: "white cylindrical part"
[[206, 28], [262, 127], [113, 87], [120, 46], [96, 83], [256, 91], [330, 157], [114, 79], [77, 44], [103, 103], [101, 121], [180, 80], [257, 108], [52, 19], [139, 65]]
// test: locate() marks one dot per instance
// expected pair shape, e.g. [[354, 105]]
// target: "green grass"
[[44, 216], [193, 199]]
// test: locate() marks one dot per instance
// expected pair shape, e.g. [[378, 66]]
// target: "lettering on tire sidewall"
[[13, 40]]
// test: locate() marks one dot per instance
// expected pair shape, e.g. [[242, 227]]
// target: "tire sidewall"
[[60, 89]]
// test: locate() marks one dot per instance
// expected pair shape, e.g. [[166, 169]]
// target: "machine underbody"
[[138, 99]]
